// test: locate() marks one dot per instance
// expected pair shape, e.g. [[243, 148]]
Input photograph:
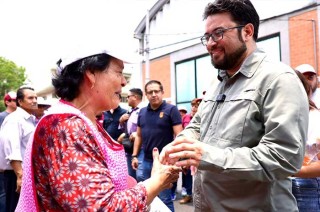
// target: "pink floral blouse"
[[71, 173]]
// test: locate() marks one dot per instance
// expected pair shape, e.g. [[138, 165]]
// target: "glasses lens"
[[154, 91], [204, 40]]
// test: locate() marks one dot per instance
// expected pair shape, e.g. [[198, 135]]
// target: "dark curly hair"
[[242, 12], [68, 82]]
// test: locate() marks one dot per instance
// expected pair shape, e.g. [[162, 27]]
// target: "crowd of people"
[[251, 143]]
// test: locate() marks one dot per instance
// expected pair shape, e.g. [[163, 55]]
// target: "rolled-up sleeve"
[[11, 141]]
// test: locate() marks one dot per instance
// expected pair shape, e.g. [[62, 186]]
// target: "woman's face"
[[108, 85]]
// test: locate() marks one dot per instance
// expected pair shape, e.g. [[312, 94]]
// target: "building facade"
[[170, 42]]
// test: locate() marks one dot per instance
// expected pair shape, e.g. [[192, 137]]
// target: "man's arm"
[[177, 129], [136, 149], [17, 167]]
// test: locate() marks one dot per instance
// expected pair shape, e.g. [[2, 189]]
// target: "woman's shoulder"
[[55, 121]]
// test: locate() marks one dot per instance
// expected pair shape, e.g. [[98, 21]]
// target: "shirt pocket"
[[233, 118]]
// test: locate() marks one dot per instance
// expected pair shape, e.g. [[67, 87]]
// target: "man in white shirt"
[[10, 103], [14, 135], [311, 75]]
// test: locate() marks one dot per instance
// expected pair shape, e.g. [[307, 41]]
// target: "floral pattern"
[[71, 172]]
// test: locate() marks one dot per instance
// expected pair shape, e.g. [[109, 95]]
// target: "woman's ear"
[[90, 78]]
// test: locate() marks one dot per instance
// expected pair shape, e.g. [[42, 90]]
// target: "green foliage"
[[11, 78]]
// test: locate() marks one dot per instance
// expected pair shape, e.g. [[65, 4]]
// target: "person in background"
[[311, 75], [249, 133], [158, 124], [71, 163], [130, 121], [100, 118], [10, 104], [183, 111], [43, 105], [14, 135], [111, 121], [187, 180], [306, 183]]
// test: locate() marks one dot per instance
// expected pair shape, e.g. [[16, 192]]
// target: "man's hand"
[[134, 163], [124, 118], [17, 167], [19, 183], [182, 152]]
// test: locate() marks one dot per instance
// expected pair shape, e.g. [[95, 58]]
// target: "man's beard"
[[230, 60]]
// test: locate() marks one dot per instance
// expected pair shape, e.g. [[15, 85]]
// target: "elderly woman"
[[71, 162]]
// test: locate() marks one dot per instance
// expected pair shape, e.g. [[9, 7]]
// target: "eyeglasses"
[[154, 91], [217, 34], [129, 96], [11, 100]]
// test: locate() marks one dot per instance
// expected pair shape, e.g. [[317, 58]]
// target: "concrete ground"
[[182, 207]]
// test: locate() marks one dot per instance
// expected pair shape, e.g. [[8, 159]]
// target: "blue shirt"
[[157, 127], [111, 122]]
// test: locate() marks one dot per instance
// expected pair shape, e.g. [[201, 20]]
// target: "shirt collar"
[[248, 67], [24, 113], [160, 107]]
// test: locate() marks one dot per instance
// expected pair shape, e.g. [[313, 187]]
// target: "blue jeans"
[[187, 182], [139, 171], [2, 193], [307, 193], [131, 171], [164, 195], [12, 197]]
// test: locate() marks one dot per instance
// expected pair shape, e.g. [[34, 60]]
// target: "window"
[[271, 45], [192, 78]]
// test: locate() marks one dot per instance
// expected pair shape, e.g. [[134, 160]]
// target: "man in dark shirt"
[[158, 124], [111, 122]]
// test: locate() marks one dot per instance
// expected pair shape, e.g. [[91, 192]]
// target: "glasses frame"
[[206, 38], [130, 96], [156, 92]]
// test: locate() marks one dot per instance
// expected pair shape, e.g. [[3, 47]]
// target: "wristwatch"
[[133, 156]]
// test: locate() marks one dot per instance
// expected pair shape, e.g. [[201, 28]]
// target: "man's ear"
[[248, 31]]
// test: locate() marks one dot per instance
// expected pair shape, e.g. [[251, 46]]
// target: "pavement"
[[181, 207]]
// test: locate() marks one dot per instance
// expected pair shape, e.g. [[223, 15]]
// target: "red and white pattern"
[[78, 168]]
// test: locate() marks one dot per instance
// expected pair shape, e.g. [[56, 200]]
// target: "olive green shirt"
[[254, 138]]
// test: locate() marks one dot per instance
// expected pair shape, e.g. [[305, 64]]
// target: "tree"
[[11, 78]]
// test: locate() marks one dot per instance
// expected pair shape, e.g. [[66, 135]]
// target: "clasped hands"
[[182, 152], [175, 157]]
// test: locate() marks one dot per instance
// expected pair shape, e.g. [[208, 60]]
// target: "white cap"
[[42, 101], [81, 52], [182, 108], [304, 68]]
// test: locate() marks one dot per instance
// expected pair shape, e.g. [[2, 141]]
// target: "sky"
[[36, 33]]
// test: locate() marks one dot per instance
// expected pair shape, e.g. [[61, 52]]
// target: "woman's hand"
[[166, 174], [162, 177]]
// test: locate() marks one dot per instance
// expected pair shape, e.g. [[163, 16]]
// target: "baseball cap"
[[10, 96], [183, 108], [305, 68], [42, 101], [196, 101]]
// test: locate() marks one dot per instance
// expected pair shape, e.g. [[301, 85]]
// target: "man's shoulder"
[[4, 114], [169, 106]]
